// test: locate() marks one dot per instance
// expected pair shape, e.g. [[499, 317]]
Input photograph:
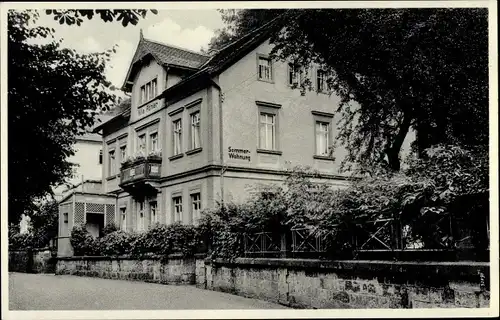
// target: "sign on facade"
[[239, 154], [148, 108]]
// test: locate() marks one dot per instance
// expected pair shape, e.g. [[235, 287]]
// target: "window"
[[153, 212], [140, 216], [195, 130], [177, 201], [143, 94], [123, 153], [123, 218], [321, 80], [195, 206], [153, 139], [267, 131], [293, 74], [177, 136], [141, 145], [322, 137], [65, 217], [100, 156], [112, 162], [265, 69], [149, 91]]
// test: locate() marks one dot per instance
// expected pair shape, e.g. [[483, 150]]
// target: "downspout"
[[221, 135], [223, 169]]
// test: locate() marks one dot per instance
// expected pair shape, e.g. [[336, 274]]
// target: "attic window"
[[149, 91], [264, 68]]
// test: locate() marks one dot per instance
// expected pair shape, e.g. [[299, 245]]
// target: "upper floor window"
[[264, 68], [123, 152], [153, 140], [321, 81], [195, 130], [141, 144], [149, 91], [100, 156], [294, 74], [111, 162], [177, 126], [267, 131], [322, 138]]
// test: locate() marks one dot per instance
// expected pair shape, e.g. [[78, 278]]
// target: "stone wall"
[[302, 283], [32, 261], [174, 270], [353, 284]]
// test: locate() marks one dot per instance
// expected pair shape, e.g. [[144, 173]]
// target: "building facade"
[[88, 163], [202, 129]]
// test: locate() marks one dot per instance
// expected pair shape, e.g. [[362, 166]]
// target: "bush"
[[109, 228], [83, 242], [160, 240], [18, 241], [116, 243]]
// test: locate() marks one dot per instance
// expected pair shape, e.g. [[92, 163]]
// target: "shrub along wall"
[[307, 283]]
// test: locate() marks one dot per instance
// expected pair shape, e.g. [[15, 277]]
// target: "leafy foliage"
[[238, 23], [53, 95], [426, 69], [159, 240], [417, 198], [74, 16], [109, 228], [20, 241], [83, 243], [44, 223]]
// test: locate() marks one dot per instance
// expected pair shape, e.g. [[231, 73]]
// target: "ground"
[[60, 292]]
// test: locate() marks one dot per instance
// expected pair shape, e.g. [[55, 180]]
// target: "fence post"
[[29, 261], [283, 245]]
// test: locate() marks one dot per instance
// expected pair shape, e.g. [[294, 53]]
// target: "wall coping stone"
[[96, 258], [410, 269]]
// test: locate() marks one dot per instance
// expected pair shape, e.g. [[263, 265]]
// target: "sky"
[[190, 29]]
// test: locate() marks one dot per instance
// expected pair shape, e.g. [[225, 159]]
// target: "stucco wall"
[[296, 139], [147, 73], [87, 159]]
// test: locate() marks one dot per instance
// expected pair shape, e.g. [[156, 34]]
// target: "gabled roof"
[[235, 50], [229, 55], [213, 65], [165, 55], [123, 108]]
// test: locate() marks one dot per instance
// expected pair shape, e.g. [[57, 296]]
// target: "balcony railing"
[[140, 169]]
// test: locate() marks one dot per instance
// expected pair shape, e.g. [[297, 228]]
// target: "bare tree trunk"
[[395, 149]]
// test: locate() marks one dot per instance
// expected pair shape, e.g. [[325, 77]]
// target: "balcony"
[[140, 176]]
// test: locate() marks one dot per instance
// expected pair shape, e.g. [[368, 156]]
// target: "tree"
[[72, 16], [395, 70], [44, 223], [238, 23], [53, 95]]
